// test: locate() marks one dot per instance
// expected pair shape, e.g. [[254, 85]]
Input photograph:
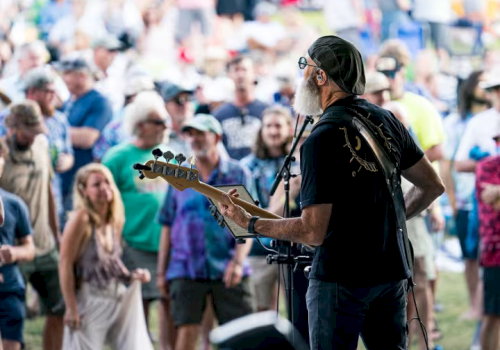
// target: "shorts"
[[437, 33], [462, 226], [263, 281], [188, 300], [231, 7], [42, 273], [491, 278], [187, 17], [12, 315], [135, 258]]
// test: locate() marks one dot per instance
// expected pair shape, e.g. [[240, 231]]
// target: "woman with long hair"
[[100, 308]]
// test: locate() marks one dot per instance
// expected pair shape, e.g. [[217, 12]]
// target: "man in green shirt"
[[146, 119]]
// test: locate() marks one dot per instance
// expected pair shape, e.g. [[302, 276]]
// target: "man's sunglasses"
[[182, 100], [303, 63], [391, 74]]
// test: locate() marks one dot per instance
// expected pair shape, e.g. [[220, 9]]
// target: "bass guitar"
[[181, 178]]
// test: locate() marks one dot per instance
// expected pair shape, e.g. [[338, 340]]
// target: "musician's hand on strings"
[[232, 211]]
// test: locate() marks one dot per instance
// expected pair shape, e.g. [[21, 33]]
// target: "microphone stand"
[[288, 258]]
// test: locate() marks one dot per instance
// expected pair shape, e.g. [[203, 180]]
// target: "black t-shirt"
[[338, 167]]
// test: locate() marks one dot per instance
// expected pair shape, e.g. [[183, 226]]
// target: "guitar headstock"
[[178, 176]]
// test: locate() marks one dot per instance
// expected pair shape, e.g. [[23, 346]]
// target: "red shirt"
[[488, 171]]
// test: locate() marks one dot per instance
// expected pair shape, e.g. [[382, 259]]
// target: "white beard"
[[307, 99]]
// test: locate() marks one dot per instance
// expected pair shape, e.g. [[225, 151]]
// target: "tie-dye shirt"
[[200, 249]]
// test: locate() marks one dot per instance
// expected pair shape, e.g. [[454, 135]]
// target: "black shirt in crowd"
[[338, 167]]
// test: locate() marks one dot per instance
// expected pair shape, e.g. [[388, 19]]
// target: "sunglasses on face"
[[303, 63], [391, 74], [182, 100]]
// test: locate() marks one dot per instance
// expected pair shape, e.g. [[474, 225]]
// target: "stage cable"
[[422, 326]]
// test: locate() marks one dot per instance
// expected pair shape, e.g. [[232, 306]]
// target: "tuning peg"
[[139, 166], [180, 159], [157, 153], [168, 156], [192, 161], [141, 175]]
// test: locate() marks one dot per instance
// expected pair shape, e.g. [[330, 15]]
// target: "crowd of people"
[[90, 87]]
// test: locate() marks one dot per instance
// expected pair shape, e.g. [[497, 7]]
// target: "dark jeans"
[[339, 315]]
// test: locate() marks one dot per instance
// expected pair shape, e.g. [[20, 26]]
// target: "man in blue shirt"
[[88, 113], [241, 119], [15, 227]]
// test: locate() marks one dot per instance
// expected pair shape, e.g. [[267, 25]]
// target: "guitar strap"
[[338, 115]]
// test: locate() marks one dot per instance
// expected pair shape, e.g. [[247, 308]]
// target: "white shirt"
[[439, 11], [267, 34], [340, 14], [480, 132]]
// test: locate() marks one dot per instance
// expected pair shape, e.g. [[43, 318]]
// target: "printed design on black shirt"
[[370, 166], [386, 139], [387, 144]]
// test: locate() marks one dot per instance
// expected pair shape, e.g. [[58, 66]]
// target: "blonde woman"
[[99, 307]]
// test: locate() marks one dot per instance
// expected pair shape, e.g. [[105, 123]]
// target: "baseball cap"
[[108, 42], [388, 65], [342, 61], [491, 80], [38, 77], [26, 115], [138, 84], [72, 64], [203, 122], [170, 90], [375, 82]]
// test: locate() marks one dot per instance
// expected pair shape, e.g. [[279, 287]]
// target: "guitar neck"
[[216, 195]]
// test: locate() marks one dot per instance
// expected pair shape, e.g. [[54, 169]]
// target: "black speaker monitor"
[[263, 330]]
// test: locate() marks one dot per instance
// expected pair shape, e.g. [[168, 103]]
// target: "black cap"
[[342, 61], [72, 64]]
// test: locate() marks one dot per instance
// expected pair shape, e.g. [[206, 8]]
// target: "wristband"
[[251, 224]]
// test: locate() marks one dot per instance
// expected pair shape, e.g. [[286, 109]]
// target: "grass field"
[[451, 293]]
